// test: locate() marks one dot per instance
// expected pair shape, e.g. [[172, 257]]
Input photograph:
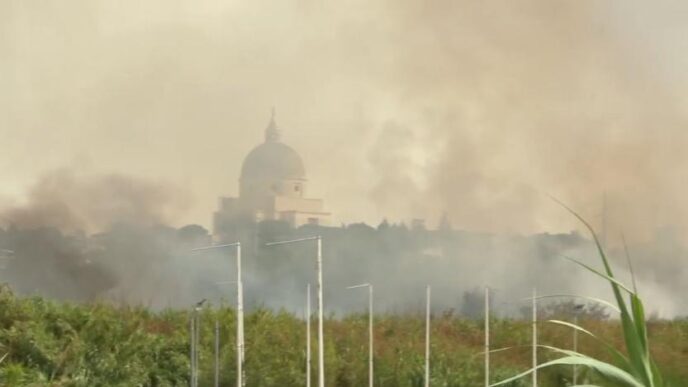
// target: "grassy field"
[[61, 344]]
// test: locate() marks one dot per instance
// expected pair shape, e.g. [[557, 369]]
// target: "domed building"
[[272, 186]]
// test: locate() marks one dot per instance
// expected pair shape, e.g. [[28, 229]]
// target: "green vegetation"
[[634, 367], [61, 344]]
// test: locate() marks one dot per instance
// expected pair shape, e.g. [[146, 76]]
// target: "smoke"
[[509, 102], [79, 235], [86, 237], [474, 109], [71, 201], [498, 103]]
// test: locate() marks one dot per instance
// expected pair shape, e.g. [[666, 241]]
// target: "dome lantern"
[[272, 134]]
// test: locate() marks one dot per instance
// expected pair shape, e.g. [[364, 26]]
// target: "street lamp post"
[[308, 335], [370, 329], [217, 353], [534, 337], [240, 309], [321, 343], [427, 336], [192, 346], [194, 335], [487, 336], [197, 342]]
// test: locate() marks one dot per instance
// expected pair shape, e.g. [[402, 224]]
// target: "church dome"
[[272, 160]]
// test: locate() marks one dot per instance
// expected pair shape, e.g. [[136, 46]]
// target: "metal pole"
[[575, 348], [240, 320], [198, 346], [192, 342], [534, 337], [370, 335], [321, 342], [195, 334], [487, 336], [240, 357], [308, 335], [427, 336], [195, 353], [321, 337], [217, 353], [194, 347]]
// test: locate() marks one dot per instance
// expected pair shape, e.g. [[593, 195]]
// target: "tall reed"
[[635, 366]]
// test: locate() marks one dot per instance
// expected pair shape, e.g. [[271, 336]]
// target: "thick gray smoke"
[[71, 201], [80, 236], [86, 237], [476, 109]]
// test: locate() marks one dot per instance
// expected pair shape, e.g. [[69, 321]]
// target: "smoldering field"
[[470, 108], [136, 258]]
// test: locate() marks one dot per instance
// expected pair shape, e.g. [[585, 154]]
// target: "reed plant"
[[634, 367]]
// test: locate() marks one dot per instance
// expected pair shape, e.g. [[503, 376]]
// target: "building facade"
[[272, 186]]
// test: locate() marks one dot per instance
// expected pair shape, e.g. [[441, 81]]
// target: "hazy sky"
[[399, 108]]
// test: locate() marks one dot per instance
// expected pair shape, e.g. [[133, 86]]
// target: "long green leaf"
[[618, 356], [589, 298], [604, 369], [504, 349], [599, 273], [639, 319], [656, 374], [634, 344], [572, 326], [640, 325], [630, 264], [615, 288], [573, 353]]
